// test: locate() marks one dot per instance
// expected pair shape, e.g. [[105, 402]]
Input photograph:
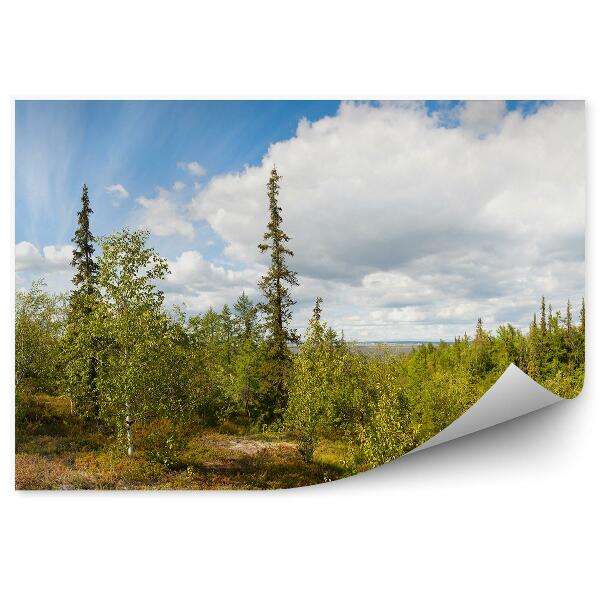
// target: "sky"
[[411, 219]]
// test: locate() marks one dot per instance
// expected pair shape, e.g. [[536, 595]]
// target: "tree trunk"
[[129, 440], [128, 424], [246, 395]]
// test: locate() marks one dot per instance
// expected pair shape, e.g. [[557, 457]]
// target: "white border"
[[508, 513]]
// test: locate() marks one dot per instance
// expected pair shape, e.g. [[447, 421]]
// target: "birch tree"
[[132, 327], [39, 322]]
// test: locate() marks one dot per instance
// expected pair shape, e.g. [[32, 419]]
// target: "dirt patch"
[[247, 446]]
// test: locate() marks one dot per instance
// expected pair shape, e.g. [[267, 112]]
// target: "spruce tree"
[[227, 322], [533, 348], [80, 344], [479, 331], [245, 323], [86, 269], [247, 360], [481, 350], [579, 341], [543, 317], [276, 307], [317, 310], [569, 317], [534, 323]]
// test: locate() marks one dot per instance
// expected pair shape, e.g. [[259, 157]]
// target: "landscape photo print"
[[262, 294]]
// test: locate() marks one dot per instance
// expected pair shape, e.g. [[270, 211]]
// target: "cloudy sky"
[[410, 219]]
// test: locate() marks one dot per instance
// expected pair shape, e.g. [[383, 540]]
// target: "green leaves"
[[321, 395], [137, 375], [127, 362], [39, 328]]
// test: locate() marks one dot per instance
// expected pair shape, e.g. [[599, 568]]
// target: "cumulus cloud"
[[162, 216], [409, 226], [117, 190], [194, 168], [200, 284], [51, 259]]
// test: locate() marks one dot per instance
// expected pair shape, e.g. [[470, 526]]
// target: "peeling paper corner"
[[513, 395]]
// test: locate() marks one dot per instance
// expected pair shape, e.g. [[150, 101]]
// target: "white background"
[[507, 513]]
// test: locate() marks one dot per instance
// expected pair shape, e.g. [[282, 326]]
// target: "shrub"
[[164, 443]]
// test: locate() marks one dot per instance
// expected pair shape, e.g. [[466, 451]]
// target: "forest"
[[116, 390]]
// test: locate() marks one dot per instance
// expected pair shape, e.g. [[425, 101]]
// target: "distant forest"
[[147, 379]]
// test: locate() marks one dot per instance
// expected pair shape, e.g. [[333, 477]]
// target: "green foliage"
[[566, 383], [86, 268], [147, 374], [276, 307], [80, 347], [440, 397], [325, 393], [210, 373], [155, 368], [389, 404], [388, 432], [136, 363], [247, 361], [39, 328], [164, 443], [555, 354], [310, 392]]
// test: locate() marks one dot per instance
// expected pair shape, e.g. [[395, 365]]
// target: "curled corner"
[[513, 395]]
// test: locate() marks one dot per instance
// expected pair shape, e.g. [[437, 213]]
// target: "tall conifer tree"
[[277, 305], [543, 317], [227, 322], [86, 269], [569, 317], [80, 345]]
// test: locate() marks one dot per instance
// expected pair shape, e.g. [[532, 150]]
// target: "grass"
[[55, 450]]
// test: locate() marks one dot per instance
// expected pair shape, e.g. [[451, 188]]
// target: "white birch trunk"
[[128, 424]]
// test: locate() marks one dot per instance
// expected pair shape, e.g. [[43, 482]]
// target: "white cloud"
[[408, 230], [425, 227], [482, 117], [178, 186], [201, 284], [116, 189], [162, 216], [51, 259], [194, 168]]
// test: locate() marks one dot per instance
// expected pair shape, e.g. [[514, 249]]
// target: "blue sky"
[[193, 172], [62, 144]]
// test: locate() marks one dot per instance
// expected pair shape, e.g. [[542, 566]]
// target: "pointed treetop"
[[86, 268], [317, 308], [568, 316], [543, 316]]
